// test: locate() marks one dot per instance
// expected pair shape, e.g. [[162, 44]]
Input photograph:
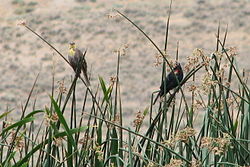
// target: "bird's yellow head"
[[72, 47]]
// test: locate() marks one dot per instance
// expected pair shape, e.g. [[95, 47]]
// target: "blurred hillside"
[[193, 23]]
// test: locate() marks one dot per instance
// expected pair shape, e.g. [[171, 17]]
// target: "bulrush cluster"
[[58, 141], [152, 164], [122, 50], [175, 163], [50, 118], [206, 60], [217, 54], [113, 80], [220, 73], [6, 124], [22, 23], [116, 119], [194, 59], [112, 15], [192, 87], [139, 119], [170, 142], [196, 163], [233, 51], [230, 101], [172, 64], [159, 58], [85, 140], [207, 82], [54, 117], [183, 136], [198, 104], [216, 145], [61, 87], [99, 153], [17, 140]]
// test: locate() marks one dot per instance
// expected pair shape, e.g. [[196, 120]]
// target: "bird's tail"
[[157, 97], [86, 78]]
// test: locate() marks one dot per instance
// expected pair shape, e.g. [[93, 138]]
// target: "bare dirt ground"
[[193, 23]]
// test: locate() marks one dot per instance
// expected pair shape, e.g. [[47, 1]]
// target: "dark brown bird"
[[77, 61], [170, 81]]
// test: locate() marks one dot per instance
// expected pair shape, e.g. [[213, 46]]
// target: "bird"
[[77, 61], [170, 81]]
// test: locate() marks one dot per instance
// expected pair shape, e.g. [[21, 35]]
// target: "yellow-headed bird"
[[77, 61]]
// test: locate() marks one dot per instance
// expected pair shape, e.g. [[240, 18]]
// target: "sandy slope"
[[23, 56]]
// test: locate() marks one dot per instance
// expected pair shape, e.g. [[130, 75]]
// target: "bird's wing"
[[171, 76], [167, 80], [72, 62], [81, 58], [170, 82], [78, 55]]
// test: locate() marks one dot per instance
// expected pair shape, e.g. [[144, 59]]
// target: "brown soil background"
[[193, 23]]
